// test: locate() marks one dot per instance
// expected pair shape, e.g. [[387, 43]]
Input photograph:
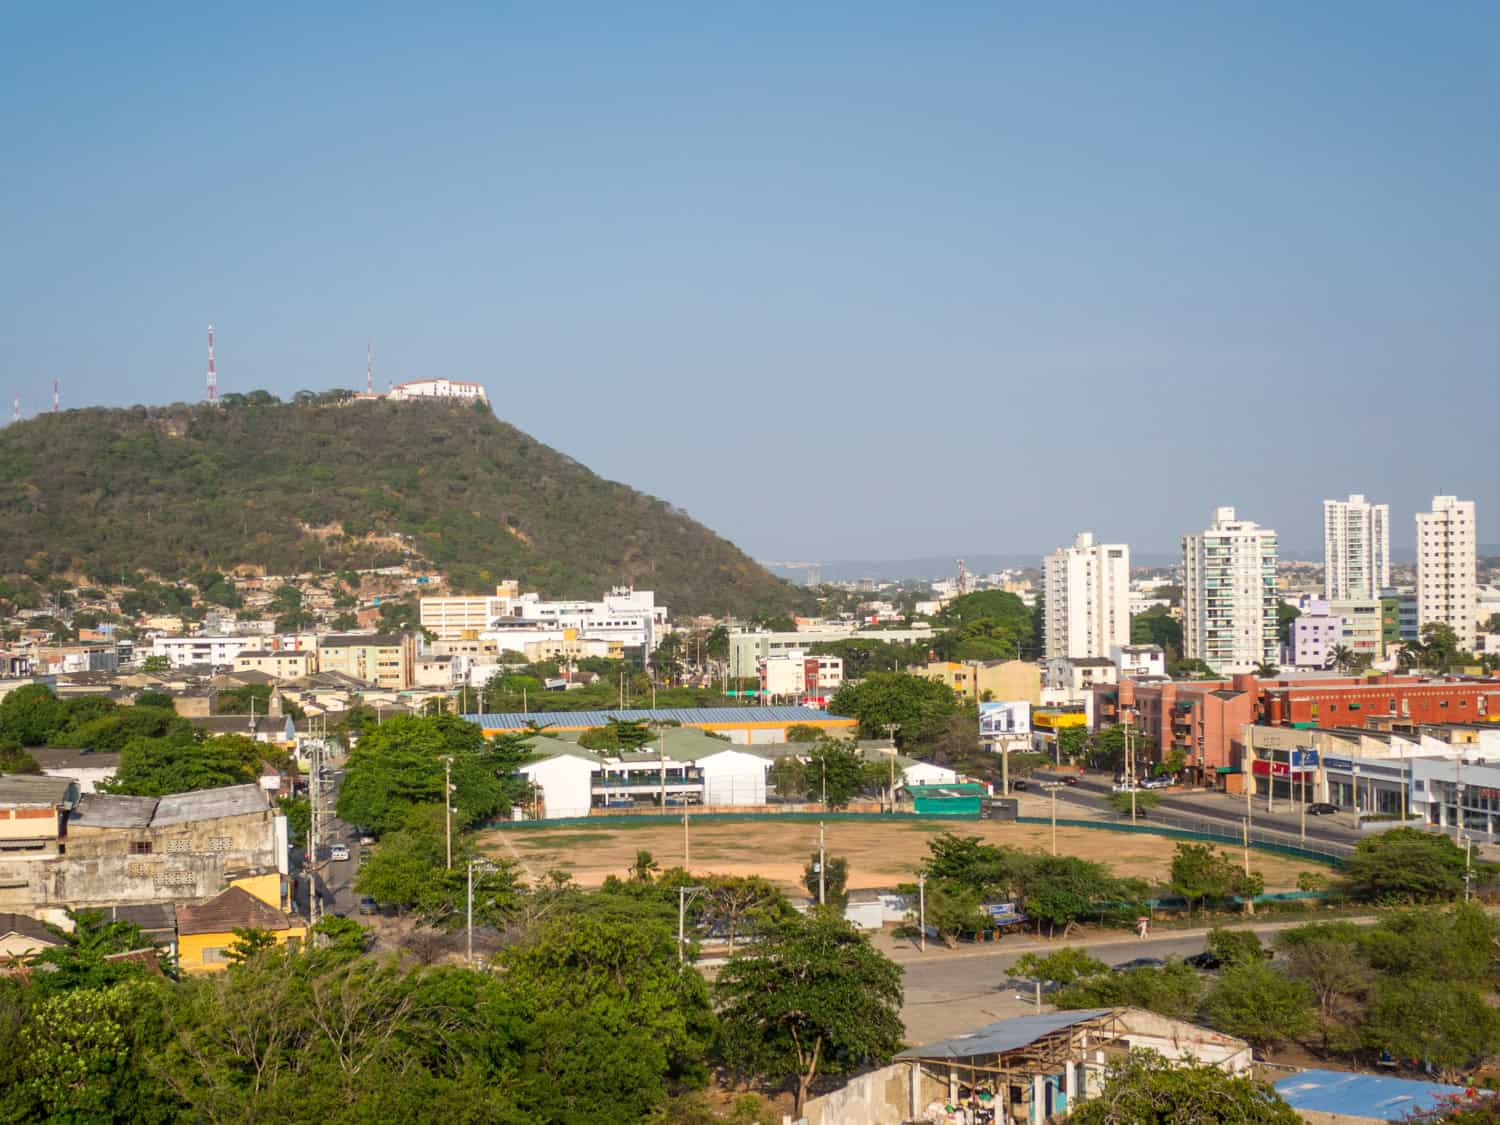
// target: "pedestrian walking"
[[1142, 924]]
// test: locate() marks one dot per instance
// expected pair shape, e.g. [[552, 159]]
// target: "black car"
[[1070, 780], [1018, 786], [1206, 961], [1321, 808], [1139, 963], [368, 905]]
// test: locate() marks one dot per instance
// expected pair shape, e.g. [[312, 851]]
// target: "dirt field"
[[879, 854]]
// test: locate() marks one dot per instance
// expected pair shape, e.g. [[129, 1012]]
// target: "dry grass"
[[880, 854]]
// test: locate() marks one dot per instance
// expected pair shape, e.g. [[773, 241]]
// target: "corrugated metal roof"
[[113, 810], [688, 716], [37, 789], [1003, 1035], [210, 804], [1377, 1096]]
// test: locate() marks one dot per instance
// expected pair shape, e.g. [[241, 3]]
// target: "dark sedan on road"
[[1321, 808]]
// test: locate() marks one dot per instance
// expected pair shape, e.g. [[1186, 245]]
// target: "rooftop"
[[37, 789], [210, 804], [687, 716], [27, 927], [63, 758], [1379, 1097], [109, 810], [361, 640], [234, 909], [1003, 1035]]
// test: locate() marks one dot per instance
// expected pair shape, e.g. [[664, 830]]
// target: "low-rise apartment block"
[[386, 660], [277, 664]]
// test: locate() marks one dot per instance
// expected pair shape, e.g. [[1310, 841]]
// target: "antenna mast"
[[213, 376], [54, 396], [369, 368], [963, 578], [15, 409]]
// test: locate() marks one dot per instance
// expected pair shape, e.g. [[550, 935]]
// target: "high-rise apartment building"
[[1086, 588], [1356, 548], [1446, 546], [1229, 594]]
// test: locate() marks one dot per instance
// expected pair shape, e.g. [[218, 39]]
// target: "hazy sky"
[[842, 280]]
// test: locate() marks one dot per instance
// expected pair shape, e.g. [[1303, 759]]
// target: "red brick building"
[[1205, 718]]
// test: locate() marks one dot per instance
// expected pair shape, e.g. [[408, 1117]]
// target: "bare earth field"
[[879, 854]]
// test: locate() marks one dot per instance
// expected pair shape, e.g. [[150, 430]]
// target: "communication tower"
[[213, 376]]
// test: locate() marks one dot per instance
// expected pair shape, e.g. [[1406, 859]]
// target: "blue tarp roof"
[[1002, 1035], [688, 716], [1378, 1096]]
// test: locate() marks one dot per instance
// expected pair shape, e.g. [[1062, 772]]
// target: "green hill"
[[172, 490]]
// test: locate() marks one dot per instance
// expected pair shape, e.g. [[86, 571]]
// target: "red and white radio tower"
[[213, 376], [369, 368], [54, 396]]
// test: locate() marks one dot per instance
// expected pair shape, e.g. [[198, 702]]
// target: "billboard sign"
[[1003, 720]]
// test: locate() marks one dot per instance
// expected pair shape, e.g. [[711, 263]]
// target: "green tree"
[[1173, 990], [1200, 872], [1142, 801], [156, 665], [835, 880], [1063, 966], [788, 776], [298, 811], [803, 732], [408, 869], [1445, 1024], [249, 944], [920, 707], [85, 961], [741, 906], [953, 910], [812, 997], [13, 759], [835, 772], [398, 765], [1234, 947], [967, 861], [1326, 957], [1257, 1003], [1405, 865], [1147, 1089], [1060, 890], [30, 715], [180, 763]]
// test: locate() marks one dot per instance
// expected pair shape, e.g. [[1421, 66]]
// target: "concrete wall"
[[187, 861], [881, 1097]]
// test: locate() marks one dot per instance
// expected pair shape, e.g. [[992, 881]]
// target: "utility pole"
[[1130, 767], [314, 832], [469, 920], [448, 810], [822, 867], [1246, 825], [1052, 789], [922, 913], [661, 757], [890, 732], [684, 896], [687, 853]]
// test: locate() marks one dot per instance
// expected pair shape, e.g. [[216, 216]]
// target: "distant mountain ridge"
[[177, 489]]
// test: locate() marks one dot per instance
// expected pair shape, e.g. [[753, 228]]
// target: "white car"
[[1123, 787], [338, 851]]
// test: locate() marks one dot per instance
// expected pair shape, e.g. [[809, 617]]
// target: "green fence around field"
[[1289, 850]]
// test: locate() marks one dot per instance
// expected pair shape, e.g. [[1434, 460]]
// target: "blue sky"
[[842, 280]]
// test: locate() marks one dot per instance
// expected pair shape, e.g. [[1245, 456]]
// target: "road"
[[1093, 790], [951, 991], [335, 878]]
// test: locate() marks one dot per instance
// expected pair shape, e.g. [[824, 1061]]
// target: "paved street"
[[950, 991]]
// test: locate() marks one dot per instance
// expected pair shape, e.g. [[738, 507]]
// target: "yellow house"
[[205, 930], [1002, 681]]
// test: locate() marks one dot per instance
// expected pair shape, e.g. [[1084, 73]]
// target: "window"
[[140, 847]]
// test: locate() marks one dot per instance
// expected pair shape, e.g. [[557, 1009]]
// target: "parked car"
[[368, 905], [1123, 786], [366, 840], [1321, 808], [1156, 783], [1139, 963], [1018, 785], [1206, 961], [1069, 779], [338, 852]]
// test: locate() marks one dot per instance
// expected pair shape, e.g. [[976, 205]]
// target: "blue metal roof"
[[1003, 1035], [1377, 1096], [687, 716]]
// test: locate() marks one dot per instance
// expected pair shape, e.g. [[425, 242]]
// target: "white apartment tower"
[[1087, 598], [1356, 548], [1445, 567], [1229, 594]]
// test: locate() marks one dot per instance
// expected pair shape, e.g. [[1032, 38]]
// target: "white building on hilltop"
[[437, 388], [1229, 594], [1446, 584], [1087, 598], [627, 617], [1356, 548]]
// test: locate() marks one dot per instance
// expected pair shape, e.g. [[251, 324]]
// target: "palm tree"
[[1340, 657], [1412, 655], [1266, 670]]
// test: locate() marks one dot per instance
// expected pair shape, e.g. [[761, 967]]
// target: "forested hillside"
[[289, 486]]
